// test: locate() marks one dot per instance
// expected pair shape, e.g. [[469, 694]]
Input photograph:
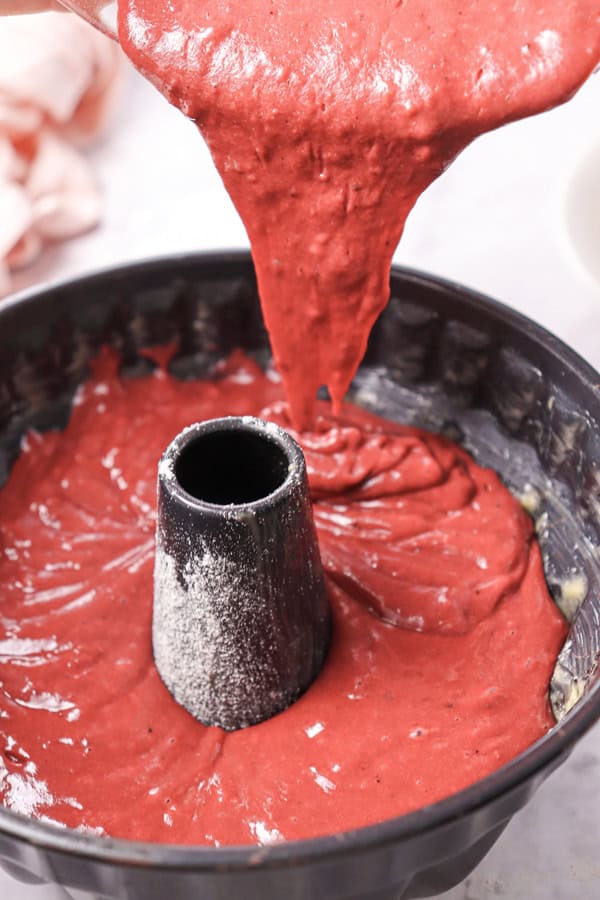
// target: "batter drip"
[[327, 121], [444, 632]]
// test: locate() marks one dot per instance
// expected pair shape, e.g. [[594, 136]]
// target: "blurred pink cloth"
[[57, 80]]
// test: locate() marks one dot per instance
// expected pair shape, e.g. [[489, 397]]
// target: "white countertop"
[[496, 221]]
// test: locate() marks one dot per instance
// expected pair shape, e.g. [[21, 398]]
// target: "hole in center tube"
[[231, 466]]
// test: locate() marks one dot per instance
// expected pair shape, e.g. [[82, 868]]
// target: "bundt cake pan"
[[440, 357]]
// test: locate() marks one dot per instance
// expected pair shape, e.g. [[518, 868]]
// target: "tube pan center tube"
[[241, 620]]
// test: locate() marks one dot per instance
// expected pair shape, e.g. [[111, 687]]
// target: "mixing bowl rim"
[[554, 744]]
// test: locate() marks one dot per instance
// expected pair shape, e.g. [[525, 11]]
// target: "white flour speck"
[[322, 781], [263, 834], [315, 729]]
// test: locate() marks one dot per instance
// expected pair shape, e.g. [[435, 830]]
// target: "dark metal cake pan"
[[440, 357]]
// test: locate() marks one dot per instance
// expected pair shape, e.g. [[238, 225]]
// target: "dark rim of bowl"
[[535, 758]]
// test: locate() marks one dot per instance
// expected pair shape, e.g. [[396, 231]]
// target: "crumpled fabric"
[[58, 79]]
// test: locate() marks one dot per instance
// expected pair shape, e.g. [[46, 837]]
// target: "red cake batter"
[[328, 119], [444, 635]]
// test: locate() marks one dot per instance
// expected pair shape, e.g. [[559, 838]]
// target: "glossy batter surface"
[[327, 121], [444, 632]]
